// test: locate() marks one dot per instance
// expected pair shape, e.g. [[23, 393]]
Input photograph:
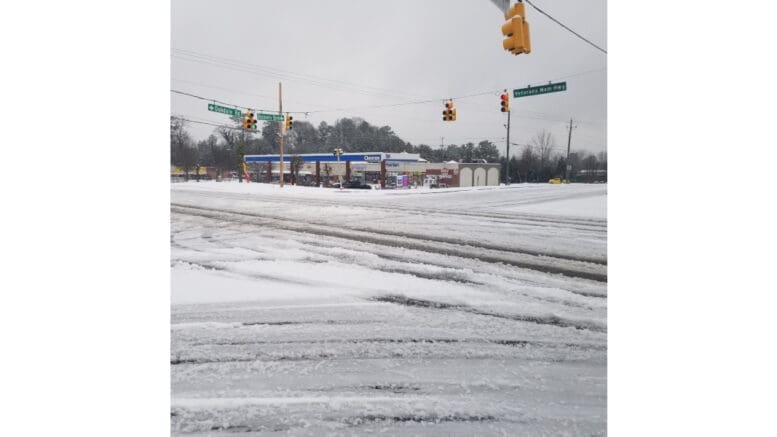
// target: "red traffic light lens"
[[504, 96]]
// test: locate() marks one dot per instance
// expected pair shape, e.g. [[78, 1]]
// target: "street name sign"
[[542, 89], [269, 117], [224, 110]]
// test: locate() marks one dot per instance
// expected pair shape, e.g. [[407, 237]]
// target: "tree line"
[[224, 149]]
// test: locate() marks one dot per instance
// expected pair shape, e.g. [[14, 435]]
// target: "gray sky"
[[340, 54]]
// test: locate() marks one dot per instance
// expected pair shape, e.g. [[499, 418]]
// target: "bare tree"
[[182, 152], [528, 162], [236, 140], [543, 143], [591, 165]]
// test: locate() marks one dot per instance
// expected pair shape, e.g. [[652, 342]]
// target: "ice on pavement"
[[457, 311]]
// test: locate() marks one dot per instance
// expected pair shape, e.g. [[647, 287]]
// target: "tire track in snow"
[[542, 320], [595, 260], [400, 340], [549, 263], [449, 268], [592, 224]]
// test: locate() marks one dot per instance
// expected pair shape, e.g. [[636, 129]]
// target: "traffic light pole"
[[507, 165], [569, 144], [280, 132]]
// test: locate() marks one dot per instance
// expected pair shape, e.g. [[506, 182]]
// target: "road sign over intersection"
[[269, 117], [542, 89], [224, 110]]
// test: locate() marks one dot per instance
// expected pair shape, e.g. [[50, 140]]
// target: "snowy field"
[[306, 311]]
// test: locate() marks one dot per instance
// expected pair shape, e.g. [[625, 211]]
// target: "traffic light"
[[516, 29], [337, 153], [505, 102], [249, 122], [289, 119], [449, 113]]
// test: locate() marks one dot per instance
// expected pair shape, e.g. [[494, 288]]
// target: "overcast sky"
[[338, 58]]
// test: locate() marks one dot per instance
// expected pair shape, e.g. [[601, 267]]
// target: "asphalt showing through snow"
[[297, 325]]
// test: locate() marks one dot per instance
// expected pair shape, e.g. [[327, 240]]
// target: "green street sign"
[[224, 110], [269, 117], [542, 89]]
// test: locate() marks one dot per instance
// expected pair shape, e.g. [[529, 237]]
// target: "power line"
[[207, 99], [580, 74], [564, 26], [223, 89], [234, 91], [336, 109], [248, 68], [191, 119], [538, 116], [531, 115], [281, 72], [391, 105], [236, 65], [341, 109]]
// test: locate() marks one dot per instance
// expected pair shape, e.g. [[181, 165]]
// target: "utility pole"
[[507, 165], [280, 131], [569, 144]]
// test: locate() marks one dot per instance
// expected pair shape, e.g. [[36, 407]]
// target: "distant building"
[[389, 170]]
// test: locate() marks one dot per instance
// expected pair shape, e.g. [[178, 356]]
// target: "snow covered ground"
[[437, 312]]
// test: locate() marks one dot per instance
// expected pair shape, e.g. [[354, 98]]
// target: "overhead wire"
[[235, 65], [529, 116], [234, 91], [193, 119], [350, 108], [564, 26], [207, 99], [281, 72]]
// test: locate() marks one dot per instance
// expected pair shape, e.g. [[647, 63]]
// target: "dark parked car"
[[357, 185]]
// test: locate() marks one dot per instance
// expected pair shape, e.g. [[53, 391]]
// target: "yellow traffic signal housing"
[[518, 9], [516, 30], [517, 41], [247, 120], [505, 98], [289, 119], [526, 38], [449, 113]]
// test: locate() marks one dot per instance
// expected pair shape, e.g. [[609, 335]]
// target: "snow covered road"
[[312, 311]]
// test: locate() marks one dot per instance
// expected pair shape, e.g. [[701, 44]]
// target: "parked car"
[[356, 184]]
